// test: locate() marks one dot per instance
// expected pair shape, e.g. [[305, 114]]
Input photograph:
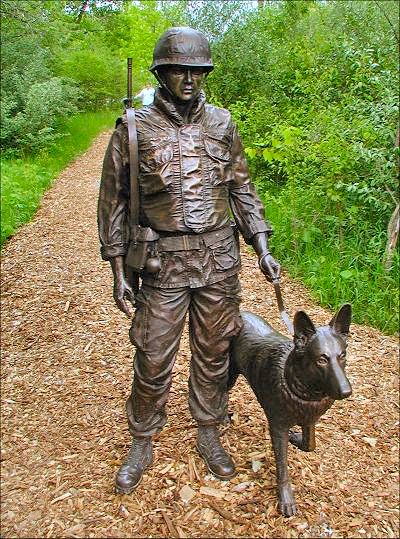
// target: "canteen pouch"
[[138, 252]]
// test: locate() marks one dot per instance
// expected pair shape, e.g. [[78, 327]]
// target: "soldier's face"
[[184, 83]]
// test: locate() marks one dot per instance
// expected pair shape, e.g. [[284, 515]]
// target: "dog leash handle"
[[284, 315]]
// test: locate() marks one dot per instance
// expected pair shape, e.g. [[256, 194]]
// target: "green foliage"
[[97, 71], [33, 128], [24, 180], [143, 24], [336, 270], [214, 17], [32, 95], [313, 88], [59, 56]]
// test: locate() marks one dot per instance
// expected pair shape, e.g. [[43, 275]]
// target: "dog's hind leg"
[[305, 440], [280, 439]]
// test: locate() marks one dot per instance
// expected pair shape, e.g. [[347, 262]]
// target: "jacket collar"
[[164, 102]]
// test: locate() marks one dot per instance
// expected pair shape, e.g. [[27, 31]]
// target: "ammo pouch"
[[139, 251]]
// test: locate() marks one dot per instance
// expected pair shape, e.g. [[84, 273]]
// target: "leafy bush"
[[31, 95], [313, 88], [58, 56], [33, 127], [96, 70]]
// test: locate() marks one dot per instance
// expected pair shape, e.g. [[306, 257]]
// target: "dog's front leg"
[[280, 439], [304, 441]]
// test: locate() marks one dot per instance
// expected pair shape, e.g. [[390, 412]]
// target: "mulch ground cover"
[[66, 372]]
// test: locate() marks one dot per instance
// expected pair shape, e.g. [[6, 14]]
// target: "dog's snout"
[[343, 387], [340, 384], [345, 392]]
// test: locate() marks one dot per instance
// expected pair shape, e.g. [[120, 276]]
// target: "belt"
[[188, 242]]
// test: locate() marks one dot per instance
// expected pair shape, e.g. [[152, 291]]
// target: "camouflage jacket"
[[193, 177]]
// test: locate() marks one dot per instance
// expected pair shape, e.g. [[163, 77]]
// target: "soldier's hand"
[[269, 266], [124, 296]]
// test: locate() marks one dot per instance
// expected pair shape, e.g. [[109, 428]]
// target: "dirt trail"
[[66, 373]]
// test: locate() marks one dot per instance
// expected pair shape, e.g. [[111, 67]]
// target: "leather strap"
[[134, 172], [132, 275]]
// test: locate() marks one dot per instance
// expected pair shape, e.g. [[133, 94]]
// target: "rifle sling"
[[134, 171]]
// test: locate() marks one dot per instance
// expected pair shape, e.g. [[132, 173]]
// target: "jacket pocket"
[[153, 183], [225, 254], [155, 157], [218, 157], [216, 148], [173, 267]]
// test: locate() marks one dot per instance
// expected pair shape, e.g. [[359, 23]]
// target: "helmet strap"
[[162, 83]]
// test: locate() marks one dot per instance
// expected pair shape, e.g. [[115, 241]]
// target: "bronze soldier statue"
[[192, 177]]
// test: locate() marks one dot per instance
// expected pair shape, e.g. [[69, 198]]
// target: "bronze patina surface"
[[295, 382], [192, 179]]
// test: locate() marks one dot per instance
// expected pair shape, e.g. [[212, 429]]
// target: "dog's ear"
[[304, 329], [340, 323]]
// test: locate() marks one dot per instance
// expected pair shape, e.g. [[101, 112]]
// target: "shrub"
[[32, 128], [313, 88]]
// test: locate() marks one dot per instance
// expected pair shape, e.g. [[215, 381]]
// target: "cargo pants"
[[156, 332]]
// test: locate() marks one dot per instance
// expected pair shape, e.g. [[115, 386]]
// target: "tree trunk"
[[394, 222], [393, 235]]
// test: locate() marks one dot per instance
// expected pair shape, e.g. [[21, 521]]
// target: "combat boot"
[[139, 458], [217, 459]]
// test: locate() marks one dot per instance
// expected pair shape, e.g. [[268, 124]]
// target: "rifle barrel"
[[129, 90]]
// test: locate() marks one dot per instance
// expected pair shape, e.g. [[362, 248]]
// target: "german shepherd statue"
[[295, 382]]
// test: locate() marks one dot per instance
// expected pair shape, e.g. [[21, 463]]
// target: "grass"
[[336, 274], [25, 179], [335, 278]]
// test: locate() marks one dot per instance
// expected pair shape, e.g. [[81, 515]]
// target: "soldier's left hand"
[[270, 267]]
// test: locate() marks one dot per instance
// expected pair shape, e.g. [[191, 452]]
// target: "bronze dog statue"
[[295, 382]]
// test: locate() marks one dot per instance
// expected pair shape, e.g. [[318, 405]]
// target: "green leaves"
[[270, 154], [250, 152], [57, 56], [314, 90], [346, 274]]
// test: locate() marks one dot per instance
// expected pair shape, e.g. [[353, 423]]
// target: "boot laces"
[[210, 438], [139, 451]]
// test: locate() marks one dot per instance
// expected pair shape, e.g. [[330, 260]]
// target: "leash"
[[282, 311]]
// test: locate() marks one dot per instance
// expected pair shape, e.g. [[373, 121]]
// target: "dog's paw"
[[287, 509], [287, 505]]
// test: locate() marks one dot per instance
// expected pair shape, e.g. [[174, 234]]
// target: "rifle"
[[142, 251], [131, 274]]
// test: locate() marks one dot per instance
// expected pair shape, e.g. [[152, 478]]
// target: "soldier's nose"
[[188, 77]]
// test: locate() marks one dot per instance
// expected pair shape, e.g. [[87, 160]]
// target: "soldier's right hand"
[[123, 293], [124, 296]]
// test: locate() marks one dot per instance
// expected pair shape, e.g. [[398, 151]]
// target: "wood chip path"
[[66, 372]]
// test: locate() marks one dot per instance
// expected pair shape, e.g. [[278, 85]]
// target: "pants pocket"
[[139, 327], [232, 293]]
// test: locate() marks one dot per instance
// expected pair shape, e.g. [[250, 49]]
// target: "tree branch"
[[379, 4]]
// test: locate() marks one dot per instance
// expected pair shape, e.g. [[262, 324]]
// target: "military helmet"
[[182, 46]]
